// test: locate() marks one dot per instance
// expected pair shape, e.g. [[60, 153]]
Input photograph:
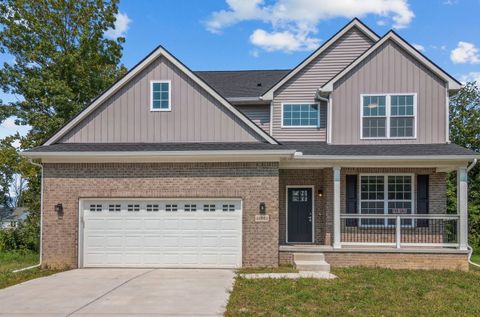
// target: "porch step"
[[313, 262]]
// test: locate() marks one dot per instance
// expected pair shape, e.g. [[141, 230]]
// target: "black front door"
[[299, 214]]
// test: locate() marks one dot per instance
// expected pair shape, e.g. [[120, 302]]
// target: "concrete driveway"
[[121, 292]]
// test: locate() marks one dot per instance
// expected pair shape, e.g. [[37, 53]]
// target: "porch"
[[379, 210]]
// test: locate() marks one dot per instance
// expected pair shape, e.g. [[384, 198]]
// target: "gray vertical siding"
[[389, 70], [259, 114], [303, 86], [195, 117]]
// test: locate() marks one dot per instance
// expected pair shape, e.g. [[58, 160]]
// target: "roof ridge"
[[242, 70]]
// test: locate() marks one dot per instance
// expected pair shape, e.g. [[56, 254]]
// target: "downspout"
[[327, 100], [470, 249], [41, 222]]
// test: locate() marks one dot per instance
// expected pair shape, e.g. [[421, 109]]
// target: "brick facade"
[[411, 260], [252, 182]]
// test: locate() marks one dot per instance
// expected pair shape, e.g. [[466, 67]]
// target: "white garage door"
[[162, 233]]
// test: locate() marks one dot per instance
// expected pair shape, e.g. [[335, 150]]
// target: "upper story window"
[[388, 116], [300, 115], [160, 95]]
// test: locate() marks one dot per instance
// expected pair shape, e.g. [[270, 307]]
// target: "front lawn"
[[10, 261], [361, 292]]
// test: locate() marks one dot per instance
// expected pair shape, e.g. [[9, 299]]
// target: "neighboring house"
[[345, 155], [13, 218]]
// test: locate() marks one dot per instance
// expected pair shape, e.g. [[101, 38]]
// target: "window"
[[154, 207], [115, 208], [228, 208], [171, 208], [386, 194], [388, 116], [209, 207], [133, 207], [160, 95], [96, 208], [300, 115], [190, 208]]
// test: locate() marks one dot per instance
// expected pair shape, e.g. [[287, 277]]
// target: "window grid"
[[153, 207], [382, 194], [228, 207], [190, 208], [114, 208], [209, 207], [301, 115], [388, 116], [160, 95], [171, 207], [95, 208], [134, 207]]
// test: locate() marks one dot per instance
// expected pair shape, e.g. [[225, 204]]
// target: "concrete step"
[[309, 257], [317, 266]]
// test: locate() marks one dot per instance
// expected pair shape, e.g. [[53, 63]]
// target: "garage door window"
[[133, 208], [228, 207], [171, 208], [190, 208], [153, 207], [209, 208], [114, 208], [94, 208]]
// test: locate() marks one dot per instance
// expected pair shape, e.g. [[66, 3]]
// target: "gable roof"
[[453, 84], [355, 23], [242, 83], [159, 51]]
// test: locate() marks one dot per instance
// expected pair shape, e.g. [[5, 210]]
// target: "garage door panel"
[[133, 233]]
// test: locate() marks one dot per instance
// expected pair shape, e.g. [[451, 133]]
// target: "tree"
[[60, 61], [465, 131]]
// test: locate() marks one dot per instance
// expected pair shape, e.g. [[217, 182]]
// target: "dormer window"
[[300, 115], [388, 116], [160, 95]]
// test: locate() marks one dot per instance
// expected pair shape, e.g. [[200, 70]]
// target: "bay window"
[[388, 116]]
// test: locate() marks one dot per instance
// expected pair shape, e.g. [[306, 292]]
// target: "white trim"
[[337, 231], [300, 126], [447, 115], [271, 118], [354, 23], [313, 211], [329, 119], [388, 116], [452, 84], [385, 196], [160, 51], [169, 82]]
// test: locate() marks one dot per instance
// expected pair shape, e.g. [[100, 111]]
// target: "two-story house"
[[344, 156]]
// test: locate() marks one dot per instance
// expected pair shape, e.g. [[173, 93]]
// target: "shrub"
[[24, 237]]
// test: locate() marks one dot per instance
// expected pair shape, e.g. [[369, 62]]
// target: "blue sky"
[[278, 34]]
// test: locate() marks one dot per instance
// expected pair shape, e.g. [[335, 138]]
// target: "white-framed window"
[[388, 116], [300, 115], [133, 207], [228, 207], [190, 207], [383, 194], [160, 95]]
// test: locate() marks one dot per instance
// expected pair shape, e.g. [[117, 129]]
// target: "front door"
[[300, 213]]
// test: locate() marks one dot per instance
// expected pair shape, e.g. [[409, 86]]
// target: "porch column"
[[336, 207], [462, 205]]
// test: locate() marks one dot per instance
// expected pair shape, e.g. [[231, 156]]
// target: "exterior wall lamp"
[[320, 193], [59, 210]]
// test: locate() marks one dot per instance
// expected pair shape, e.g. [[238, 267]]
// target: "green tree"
[[61, 60], [465, 131]]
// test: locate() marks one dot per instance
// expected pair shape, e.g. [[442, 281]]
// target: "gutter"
[[388, 157], [41, 223]]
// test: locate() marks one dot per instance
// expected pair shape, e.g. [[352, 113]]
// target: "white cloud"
[[9, 123], [450, 2], [299, 18], [282, 41], [121, 25], [472, 76], [419, 47], [465, 53]]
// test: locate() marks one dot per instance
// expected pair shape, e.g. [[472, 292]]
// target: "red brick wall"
[[252, 182]]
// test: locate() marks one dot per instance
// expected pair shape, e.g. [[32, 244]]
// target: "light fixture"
[[262, 208], [320, 193], [59, 210]]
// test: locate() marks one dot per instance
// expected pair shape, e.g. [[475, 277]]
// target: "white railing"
[[420, 230]]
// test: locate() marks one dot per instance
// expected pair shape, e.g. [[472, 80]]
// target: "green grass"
[[361, 292], [10, 261], [280, 269]]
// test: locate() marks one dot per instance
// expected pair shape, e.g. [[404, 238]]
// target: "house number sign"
[[262, 218]]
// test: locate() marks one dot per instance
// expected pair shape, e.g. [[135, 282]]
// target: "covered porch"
[[376, 205]]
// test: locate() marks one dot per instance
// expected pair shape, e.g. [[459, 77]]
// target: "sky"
[[279, 34]]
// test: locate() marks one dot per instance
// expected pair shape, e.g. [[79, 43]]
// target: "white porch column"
[[336, 207], [462, 205]]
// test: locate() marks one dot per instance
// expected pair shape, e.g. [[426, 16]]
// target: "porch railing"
[[413, 230]]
